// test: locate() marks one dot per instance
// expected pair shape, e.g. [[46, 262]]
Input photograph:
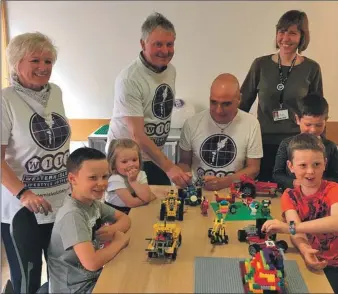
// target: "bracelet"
[[292, 228], [23, 190]]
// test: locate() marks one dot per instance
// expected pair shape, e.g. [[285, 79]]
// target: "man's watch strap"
[[23, 190]]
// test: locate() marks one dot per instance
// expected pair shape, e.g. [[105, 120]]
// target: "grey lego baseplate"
[[222, 275]]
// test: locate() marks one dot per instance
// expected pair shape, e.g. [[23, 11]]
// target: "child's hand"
[[311, 259], [132, 174], [122, 238], [106, 233], [275, 226]]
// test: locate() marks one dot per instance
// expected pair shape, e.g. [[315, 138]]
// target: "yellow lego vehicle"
[[165, 242], [172, 208], [217, 233]]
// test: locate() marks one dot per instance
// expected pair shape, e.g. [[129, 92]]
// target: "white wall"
[[97, 39]]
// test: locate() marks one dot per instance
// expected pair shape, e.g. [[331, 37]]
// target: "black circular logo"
[[218, 150], [49, 137], [163, 101]]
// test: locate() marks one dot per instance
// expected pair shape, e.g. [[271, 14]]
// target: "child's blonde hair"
[[117, 144]]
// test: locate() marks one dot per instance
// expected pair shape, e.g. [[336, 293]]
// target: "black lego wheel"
[[248, 189], [241, 234]]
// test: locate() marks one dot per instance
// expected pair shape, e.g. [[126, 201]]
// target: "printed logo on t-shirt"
[[49, 137], [210, 172], [163, 101], [46, 171], [158, 132], [218, 150]]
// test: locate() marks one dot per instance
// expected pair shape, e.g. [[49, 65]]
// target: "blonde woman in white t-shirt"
[[127, 186], [34, 146]]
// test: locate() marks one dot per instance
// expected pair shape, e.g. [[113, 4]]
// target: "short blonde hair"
[[25, 44], [120, 144]]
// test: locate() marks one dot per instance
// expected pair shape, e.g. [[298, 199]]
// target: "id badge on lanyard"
[[282, 113]]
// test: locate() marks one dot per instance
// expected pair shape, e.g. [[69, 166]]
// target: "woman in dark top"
[[279, 80]]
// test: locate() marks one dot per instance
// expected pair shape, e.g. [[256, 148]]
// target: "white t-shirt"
[[141, 92], [216, 153], [116, 182], [37, 140]]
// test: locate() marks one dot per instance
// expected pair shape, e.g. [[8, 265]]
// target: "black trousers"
[[155, 175], [331, 273], [268, 162], [45, 231], [125, 210]]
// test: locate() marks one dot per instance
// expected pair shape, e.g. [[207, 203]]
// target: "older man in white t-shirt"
[[221, 143], [144, 100]]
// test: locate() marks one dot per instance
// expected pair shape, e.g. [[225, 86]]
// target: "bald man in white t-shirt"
[[221, 143]]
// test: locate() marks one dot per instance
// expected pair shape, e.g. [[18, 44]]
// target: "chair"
[[8, 289], [25, 234]]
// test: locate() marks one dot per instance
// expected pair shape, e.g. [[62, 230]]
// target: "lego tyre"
[[241, 235], [282, 245], [182, 193], [179, 240], [248, 190], [162, 212], [253, 249], [151, 254], [233, 209], [192, 201], [225, 240], [180, 211], [209, 232]]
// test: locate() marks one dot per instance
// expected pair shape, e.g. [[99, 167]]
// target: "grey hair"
[[152, 22], [25, 44]]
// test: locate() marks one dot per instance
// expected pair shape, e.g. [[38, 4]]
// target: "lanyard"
[[282, 79]]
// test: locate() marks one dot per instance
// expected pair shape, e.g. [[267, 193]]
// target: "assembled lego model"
[[226, 204], [172, 208], [250, 188], [264, 272], [253, 206], [217, 233], [231, 197], [191, 195], [165, 241], [204, 206], [223, 207], [257, 239]]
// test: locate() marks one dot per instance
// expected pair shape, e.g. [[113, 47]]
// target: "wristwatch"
[[292, 228], [23, 190]]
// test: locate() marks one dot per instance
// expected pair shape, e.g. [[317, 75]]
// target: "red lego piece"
[[204, 206]]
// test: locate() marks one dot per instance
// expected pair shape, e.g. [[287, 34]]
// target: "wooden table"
[[131, 272]]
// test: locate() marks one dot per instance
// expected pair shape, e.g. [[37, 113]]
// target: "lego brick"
[[222, 275]]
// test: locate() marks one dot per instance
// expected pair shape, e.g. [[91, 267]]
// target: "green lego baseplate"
[[223, 275], [242, 213], [102, 130]]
